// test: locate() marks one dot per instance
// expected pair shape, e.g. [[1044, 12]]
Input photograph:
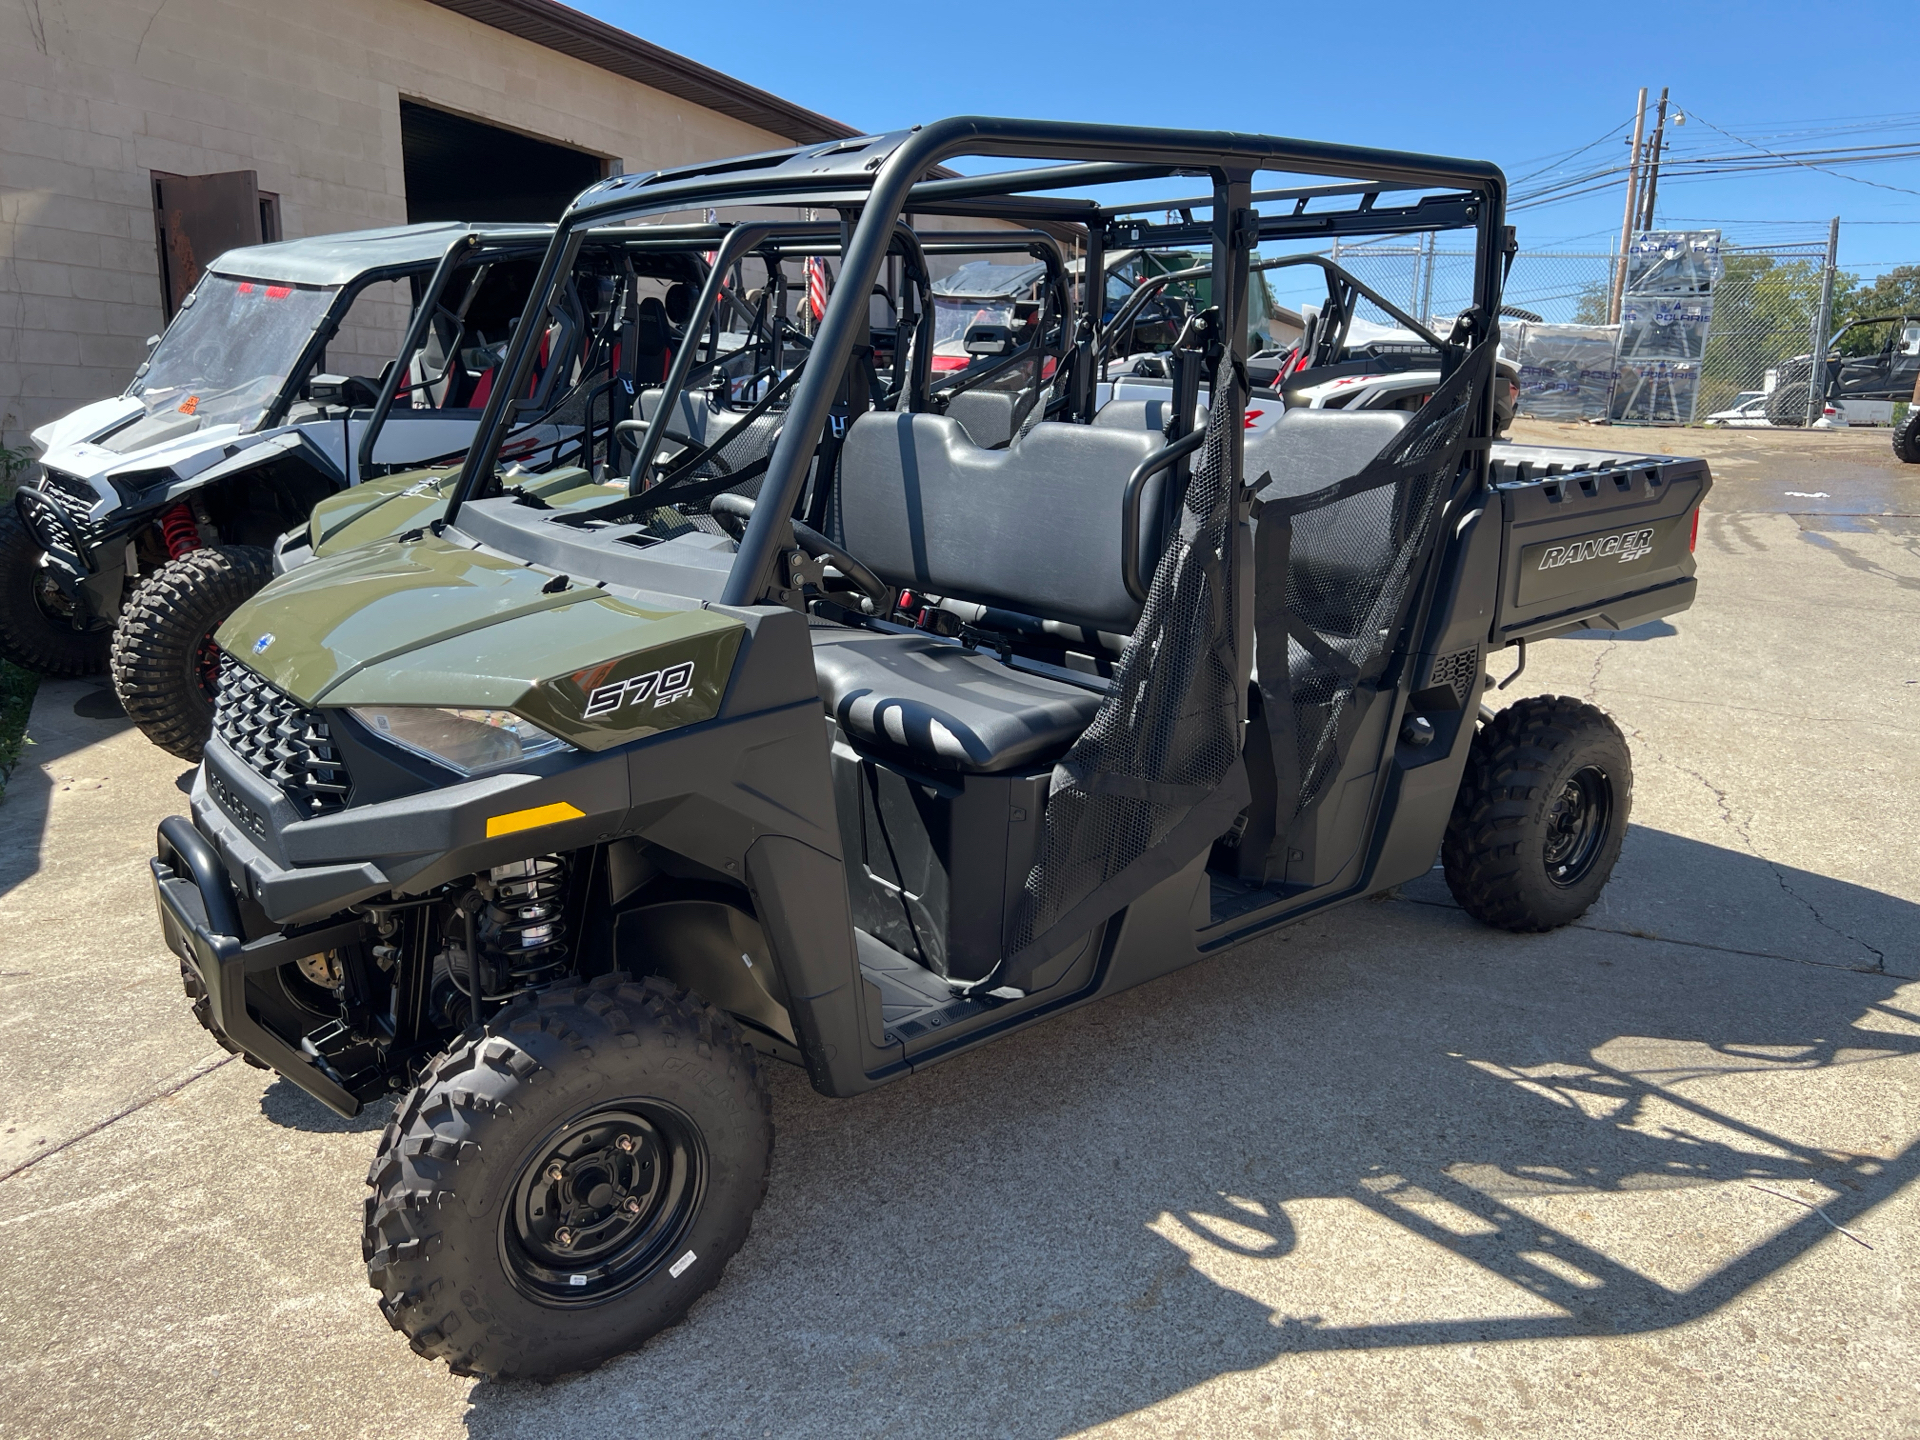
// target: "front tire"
[[165, 667], [565, 1184], [1906, 436], [36, 618], [1541, 814]]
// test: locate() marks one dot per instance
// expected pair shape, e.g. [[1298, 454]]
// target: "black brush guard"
[[200, 917]]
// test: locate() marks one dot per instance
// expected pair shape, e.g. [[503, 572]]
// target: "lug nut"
[[625, 1142], [632, 1207], [555, 1171], [563, 1237]]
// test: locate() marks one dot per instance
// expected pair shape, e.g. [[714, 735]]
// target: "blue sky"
[[1516, 84]]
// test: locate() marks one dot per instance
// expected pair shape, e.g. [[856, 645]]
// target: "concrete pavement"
[[1385, 1173]]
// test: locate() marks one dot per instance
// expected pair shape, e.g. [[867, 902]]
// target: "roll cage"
[[875, 180]]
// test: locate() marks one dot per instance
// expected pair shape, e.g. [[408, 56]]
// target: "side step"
[[913, 1000]]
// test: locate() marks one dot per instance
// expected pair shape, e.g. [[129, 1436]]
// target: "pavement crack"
[[1740, 828], [171, 1087], [1651, 938], [1592, 695]]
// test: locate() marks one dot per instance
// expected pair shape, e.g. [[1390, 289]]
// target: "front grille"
[[72, 494], [289, 746]]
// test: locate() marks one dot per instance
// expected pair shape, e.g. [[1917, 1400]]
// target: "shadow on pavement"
[[1383, 1128], [1652, 630], [63, 722], [285, 1103]]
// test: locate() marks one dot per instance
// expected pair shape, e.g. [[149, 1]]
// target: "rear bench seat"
[[1034, 529]]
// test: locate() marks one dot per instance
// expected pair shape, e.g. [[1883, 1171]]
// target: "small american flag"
[[817, 283]]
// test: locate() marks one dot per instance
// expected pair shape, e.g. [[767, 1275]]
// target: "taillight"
[[1694, 538]]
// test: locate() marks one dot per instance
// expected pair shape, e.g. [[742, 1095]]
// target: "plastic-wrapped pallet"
[[1566, 371]]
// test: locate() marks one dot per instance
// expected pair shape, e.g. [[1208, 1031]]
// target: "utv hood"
[[394, 504], [425, 622]]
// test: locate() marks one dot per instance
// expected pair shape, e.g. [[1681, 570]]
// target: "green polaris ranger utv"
[[867, 742]]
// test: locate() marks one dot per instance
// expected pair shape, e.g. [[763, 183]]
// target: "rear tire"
[[164, 663], [1541, 814], [1906, 436], [566, 1183], [1787, 405], [36, 630]]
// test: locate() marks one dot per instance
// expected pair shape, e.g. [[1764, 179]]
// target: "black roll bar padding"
[[179, 837], [1130, 574], [423, 314]]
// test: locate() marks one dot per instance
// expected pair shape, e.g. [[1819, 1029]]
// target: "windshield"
[[227, 354], [952, 318]]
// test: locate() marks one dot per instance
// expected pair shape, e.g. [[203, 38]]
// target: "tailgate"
[[1593, 538]]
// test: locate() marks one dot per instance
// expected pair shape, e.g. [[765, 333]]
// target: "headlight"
[[469, 740]]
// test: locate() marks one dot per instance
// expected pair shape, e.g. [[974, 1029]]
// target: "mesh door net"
[[1349, 554], [1156, 776]]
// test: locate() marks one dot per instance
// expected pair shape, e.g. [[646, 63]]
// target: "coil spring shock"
[[522, 929], [178, 530]]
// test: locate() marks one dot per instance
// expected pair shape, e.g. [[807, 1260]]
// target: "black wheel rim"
[[604, 1202], [206, 665], [51, 601], [1577, 823]]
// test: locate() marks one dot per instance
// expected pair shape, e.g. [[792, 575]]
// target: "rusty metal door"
[[196, 218]]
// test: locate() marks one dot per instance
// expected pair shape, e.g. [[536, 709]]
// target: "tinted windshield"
[[953, 318], [227, 354]]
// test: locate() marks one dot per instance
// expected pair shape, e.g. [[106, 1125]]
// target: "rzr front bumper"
[[200, 917]]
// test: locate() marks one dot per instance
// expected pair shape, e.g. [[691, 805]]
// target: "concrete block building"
[[138, 138]]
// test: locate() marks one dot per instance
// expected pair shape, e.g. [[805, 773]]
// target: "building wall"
[[96, 94]]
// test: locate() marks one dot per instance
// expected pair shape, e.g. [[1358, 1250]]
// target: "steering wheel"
[[734, 511]]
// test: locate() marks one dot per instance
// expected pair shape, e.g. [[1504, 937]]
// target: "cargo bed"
[[1599, 539]]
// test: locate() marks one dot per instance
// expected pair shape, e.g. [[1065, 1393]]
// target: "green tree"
[[1596, 299], [1895, 293]]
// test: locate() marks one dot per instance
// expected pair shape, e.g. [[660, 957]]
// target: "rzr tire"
[[1541, 814], [1787, 405], [1906, 436], [161, 647], [33, 631], [460, 1234]]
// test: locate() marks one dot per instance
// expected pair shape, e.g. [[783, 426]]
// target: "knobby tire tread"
[[156, 644], [1514, 758], [447, 1121]]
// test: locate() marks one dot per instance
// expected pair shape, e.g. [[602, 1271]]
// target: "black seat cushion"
[[1034, 528], [953, 708]]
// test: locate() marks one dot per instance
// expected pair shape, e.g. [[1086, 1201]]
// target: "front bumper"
[[200, 918]]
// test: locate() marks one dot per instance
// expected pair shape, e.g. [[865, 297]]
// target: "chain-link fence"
[[1763, 313]]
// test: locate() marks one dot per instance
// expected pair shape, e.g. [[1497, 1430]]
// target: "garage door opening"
[[460, 169]]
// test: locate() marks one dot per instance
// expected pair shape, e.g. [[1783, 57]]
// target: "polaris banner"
[[1665, 317]]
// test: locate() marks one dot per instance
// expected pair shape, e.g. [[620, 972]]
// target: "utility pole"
[[1822, 322], [1653, 158], [1626, 219]]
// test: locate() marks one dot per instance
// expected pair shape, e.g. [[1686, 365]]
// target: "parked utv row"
[[653, 685]]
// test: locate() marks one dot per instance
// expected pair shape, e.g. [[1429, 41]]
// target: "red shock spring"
[[179, 531]]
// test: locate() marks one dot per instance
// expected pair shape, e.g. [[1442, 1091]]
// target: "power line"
[[1900, 189]]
